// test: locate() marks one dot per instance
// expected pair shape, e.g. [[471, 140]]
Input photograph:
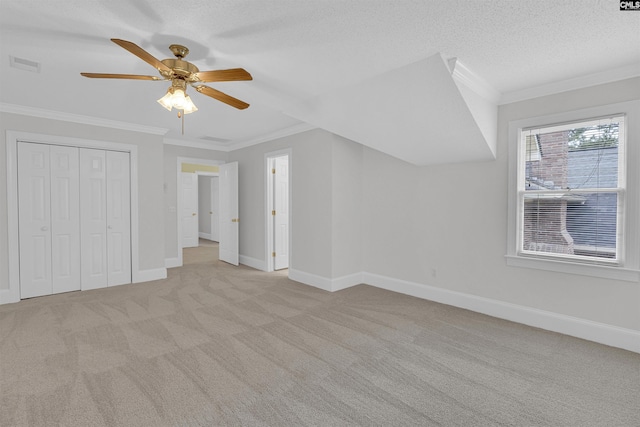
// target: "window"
[[574, 185], [571, 190]]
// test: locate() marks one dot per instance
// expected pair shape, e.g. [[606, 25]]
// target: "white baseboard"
[[149, 275], [13, 295], [325, 283], [628, 339], [310, 279], [614, 336], [207, 236], [258, 264], [8, 296], [348, 281], [172, 262]]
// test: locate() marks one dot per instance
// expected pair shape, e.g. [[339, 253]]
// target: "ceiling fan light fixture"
[[165, 101], [189, 106], [177, 98]]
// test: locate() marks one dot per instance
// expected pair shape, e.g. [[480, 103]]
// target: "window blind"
[[571, 190]]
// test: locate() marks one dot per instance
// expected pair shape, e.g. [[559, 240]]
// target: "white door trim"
[[12, 294], [268, 203], [180, 161]]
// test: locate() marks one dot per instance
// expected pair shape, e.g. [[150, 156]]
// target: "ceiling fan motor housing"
[[179, 68]]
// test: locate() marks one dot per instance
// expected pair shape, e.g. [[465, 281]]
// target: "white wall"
[[452, 219], [151, 243], [346, 207], [311, 219], [394, 234]]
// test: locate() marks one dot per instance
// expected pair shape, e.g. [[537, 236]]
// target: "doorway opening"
[[200, 207], [195, 214], [278, 214]]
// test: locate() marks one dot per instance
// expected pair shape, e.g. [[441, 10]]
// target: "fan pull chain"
[[181, 116]]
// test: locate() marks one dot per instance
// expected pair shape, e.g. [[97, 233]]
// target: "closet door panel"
[[34, 224], [118, 205], [65, 219], [93, 223]]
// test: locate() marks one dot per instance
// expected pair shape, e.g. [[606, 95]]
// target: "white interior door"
[[229, 220], [34, 201], [189, 215], [281, 208], [65, 219], [118, 218], [204, 207], [93, 221], [215, 209]]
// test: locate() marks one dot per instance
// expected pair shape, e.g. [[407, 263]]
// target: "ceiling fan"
[[180, 73]]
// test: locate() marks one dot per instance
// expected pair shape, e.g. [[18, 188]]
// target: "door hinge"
[[273, 170], [273, 254], [273, 213]]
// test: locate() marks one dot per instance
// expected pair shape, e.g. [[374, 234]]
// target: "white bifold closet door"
[[74, 218], [118, 218], [105, 227], [48, 224]]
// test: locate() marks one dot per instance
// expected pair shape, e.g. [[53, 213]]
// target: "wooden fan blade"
[[222, 97], [142, 54], [119, 76], [233, 74]]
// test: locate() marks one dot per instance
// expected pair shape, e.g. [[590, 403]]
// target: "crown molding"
[[477, 84], [595, 79], [77, 118]]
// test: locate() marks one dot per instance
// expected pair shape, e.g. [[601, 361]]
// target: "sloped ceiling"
[[310, 59], [415, 113]]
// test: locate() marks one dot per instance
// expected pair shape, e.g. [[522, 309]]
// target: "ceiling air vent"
[[24, 64]]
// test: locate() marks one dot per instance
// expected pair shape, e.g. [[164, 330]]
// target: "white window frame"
[[628, 266]]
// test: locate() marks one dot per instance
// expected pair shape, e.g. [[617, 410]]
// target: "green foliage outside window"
[[593, 137]]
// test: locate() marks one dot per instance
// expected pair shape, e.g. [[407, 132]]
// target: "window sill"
[[602, 271]]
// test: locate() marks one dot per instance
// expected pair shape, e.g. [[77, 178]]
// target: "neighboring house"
[[592, 223], [572, 222]]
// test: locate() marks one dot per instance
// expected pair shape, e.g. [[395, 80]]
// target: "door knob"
[[193, 214], [109, 227], [44, 228]]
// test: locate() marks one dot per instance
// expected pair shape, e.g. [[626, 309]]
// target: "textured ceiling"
[[296, 50]]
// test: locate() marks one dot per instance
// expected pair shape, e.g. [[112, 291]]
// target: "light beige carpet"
[[217, 345]]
